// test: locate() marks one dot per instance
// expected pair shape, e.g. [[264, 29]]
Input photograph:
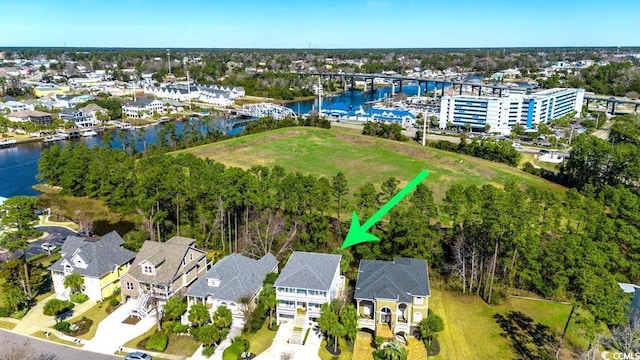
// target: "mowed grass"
[[471, 332], [260, 340], [362, 158]]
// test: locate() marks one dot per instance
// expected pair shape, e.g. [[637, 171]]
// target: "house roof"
[[92, 107], [165, 256], [399, 279], [239, 277], [28, 113], [141, 102], [309, 271], [100, 254]]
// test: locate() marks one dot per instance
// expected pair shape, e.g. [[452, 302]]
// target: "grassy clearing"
[[181, 345], [415, 349], [471, 331], [346, 354], [54, 338], [261, 340], [104, 219], [362, 158], [7, 325], [234, 351], [526, 157], [134, 342], [97, 313]]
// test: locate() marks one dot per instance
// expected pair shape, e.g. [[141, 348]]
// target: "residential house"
[[13, 106], [162, 270], [91, 111], [99, 260], [78, 117], [36, 117], [403, 118], [143, 108], [234, 282], [50, 89], [307, 281], [392, 297]]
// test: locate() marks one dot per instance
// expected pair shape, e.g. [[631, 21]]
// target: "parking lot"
[[55, 235]]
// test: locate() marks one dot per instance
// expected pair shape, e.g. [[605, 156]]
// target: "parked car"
[[138, 355], [84, 233], [47, 246]]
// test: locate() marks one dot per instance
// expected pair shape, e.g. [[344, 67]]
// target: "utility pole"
[[424, 128], [169, 61], [319, 98]]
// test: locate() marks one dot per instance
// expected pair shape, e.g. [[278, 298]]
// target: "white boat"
[[89, 133], [7, 142], [54, 138]]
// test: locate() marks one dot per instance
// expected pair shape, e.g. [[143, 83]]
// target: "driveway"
[[280, 345], [112, 333], [55, 235]]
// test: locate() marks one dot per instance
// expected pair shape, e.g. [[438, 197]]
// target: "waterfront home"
[[99, 260], [91, 111], [78, 117], [36, 117], [392, 297], [235, 282], [403, 118], [162, 270], [143, 108], [307, 281]]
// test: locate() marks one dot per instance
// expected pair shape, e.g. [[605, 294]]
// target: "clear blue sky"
[[320, 23]]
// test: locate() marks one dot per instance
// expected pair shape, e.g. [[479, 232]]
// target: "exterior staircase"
[[141, 305], [299, 326]]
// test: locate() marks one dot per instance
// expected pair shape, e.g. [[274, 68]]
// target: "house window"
[[147, 269], [129, 286], [190, 256], [418, 300]]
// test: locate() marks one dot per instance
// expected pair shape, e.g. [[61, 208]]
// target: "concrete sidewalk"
[[280, 345], [35, 320]]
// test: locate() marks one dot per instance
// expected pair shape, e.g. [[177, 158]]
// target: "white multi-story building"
[[501, 113], [143, 108]]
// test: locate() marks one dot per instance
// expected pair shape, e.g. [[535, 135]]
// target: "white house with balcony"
[[307, 281], [234, 282]]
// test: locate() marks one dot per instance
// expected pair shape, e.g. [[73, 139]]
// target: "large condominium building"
[[501, 113]]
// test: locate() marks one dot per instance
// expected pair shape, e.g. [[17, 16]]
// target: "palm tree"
[[74, 282], [394, 351]]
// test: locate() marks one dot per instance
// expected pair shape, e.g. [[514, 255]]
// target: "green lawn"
[[177, 345], [471, 331], [234, 351], [346, 354], [261, 340], [7, 325], [52, 337], [362, 158]]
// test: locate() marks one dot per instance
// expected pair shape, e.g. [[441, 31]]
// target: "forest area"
[[479, 239]]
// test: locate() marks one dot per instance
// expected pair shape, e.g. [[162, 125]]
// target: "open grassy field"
[[472, 332], [362, 158], [104, 219]]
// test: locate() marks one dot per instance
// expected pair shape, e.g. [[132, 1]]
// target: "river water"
[[19, 164]]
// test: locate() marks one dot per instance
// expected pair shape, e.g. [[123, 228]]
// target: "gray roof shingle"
[[306, 270], [100, 254], [398, 279], [239, 277]]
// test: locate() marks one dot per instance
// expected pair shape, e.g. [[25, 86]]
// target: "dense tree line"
[[386, 131], [595, 163], [498, 151], [620, 79], [480, 239]]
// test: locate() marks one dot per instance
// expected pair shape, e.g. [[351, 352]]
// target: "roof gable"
[[309, 271], [400, 279]]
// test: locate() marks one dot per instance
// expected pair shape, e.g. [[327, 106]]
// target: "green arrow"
[[358, 233]]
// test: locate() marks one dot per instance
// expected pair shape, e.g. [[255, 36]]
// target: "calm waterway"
[[19, 164]]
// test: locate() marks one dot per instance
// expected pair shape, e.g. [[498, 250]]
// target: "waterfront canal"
[[19, 164]]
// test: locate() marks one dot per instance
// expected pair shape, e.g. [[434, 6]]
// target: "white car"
[[47, 246]]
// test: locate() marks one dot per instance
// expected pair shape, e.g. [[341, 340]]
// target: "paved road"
[[57, 235], [17, 346]]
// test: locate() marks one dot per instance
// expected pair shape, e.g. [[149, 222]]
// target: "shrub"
[[180, 329], [55, 307], [158, 341], [20, 314], [63, 326], [79, 298], [37, 257], [207, 351], [114, 302], [168, 325], [5, 312]]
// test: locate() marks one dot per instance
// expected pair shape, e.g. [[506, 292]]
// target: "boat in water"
[[89, 133], [7, 142], [54, 138]]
